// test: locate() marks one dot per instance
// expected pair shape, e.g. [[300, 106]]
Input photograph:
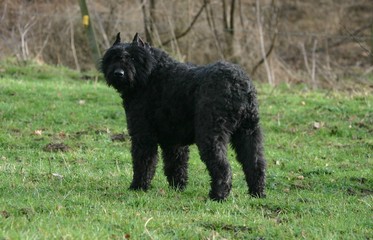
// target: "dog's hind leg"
[[212, 141], [247, 141], [213, 153], [176, 165]]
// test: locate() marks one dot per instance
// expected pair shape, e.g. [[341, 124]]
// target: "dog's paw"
[[138, 187]]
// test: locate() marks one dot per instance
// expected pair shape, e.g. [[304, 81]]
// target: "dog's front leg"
[[145, 158]]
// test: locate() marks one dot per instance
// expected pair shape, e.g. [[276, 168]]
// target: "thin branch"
[[271, 47], [189, 27], [45, 41], [241, 15], [101, 28], [211, 23], [231, 26], [313, 73], [305, 57], [4, 11], [72, 44], [261, 38], [225, 18], [353, 36], [174, 45], [273, 39], [23, 32], [343, 40], [147, 23]]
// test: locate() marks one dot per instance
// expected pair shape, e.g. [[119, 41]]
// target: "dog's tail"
[[247, 141]]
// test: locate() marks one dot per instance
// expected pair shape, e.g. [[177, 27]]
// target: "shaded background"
[[323, 43]]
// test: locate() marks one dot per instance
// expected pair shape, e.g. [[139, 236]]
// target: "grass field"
[[65, 167]]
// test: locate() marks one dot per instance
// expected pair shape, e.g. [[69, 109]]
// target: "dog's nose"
[[119, 73]]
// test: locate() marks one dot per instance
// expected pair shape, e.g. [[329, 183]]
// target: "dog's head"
[[127, 65]]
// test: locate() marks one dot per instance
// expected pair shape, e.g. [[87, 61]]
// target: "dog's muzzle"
[[119, 73]]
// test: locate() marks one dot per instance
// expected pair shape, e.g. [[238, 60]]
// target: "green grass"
[[318, 146]]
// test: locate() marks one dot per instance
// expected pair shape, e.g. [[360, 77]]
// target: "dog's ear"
[[147, 46], [117, 40], [138, 41]]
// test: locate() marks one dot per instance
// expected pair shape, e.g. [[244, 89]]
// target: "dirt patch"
[[5, 214], [227, 227], [118, 137], [56, 147]]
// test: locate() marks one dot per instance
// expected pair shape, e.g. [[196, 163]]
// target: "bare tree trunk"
[[91, 35]]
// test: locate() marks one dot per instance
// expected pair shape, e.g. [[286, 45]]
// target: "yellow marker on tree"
[[90, 31], [85, 20]]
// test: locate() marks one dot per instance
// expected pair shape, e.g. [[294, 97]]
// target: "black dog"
[[174, 105]]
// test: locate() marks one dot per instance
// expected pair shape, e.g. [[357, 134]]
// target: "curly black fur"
[[174, 105]]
